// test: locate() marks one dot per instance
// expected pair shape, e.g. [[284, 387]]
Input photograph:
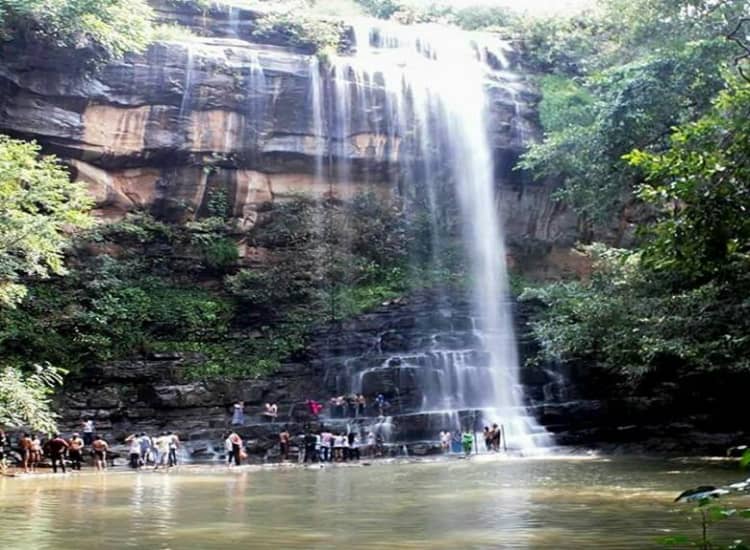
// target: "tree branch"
[[735, 37]]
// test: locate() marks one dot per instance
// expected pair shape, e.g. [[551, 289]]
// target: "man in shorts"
[[55, 449], [75, 451], [100, 448]]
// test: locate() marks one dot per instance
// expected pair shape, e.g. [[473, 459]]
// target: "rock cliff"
[[158, 131]]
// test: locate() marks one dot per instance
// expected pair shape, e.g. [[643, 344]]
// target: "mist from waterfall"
[[417, 95]]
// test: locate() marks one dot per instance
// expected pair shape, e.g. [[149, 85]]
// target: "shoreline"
[[221, 468]]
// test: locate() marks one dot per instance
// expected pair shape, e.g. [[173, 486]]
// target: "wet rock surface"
[[573, 403]]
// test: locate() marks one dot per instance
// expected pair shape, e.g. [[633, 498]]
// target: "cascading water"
[[434, 84]]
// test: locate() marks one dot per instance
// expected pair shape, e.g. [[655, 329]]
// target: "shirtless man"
[[284, 439], [55, 449], [25, 445], [75, 451], [36, 451], [100, 448]]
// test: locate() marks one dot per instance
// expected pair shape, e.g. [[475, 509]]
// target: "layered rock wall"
[[159, 131]]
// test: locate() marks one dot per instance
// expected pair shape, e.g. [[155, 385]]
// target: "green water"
[[511, 503]]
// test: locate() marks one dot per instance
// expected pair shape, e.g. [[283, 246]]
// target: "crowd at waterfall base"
[[324, 441]]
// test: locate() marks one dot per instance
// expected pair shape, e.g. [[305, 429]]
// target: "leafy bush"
[[564, 104], [631, 321], [324, 37]]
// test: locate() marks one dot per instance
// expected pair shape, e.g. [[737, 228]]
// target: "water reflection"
[[445, 505]]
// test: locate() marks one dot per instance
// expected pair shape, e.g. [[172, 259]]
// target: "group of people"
[[327, 446], [270, 413], [355, 405], [33, 449], [463, 442], [144, 450]]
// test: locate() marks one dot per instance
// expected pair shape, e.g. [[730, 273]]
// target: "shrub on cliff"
[[291, 28], [106, 28]]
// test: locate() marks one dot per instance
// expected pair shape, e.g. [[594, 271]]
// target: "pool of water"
[[446, 504]]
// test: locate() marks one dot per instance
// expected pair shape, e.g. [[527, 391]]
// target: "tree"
[[39, 207], [700, 187], [681, 299], [655, 64], [25, 398]]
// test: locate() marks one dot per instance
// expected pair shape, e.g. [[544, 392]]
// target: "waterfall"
[[432, 121]]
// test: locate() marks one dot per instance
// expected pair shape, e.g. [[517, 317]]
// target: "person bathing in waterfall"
[[497, 434]]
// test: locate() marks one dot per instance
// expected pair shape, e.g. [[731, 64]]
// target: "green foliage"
[[710, 515], [292, 28], [172, 33], [39, 207], [630, 320], [564, 104], [383, 9], [481, 16], [108, 28], [701, 189], [644, 74], [25, 397]]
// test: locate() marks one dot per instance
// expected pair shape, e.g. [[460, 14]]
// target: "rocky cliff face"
[[161, 130]]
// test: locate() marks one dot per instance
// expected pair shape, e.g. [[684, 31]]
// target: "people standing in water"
[[467, 442], [354, 445], [174, 444], [456, 442], [36, 452], [325, 446], [238, 413], [487, 433], [134, 451], [496, 435], [234, 441], [75, 451], [284, 440], [145, 445], [309, 443], [100, 448], [25, 446], [88, 431], [161, 444], [55, 449], [338, 447], [445, 441]]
